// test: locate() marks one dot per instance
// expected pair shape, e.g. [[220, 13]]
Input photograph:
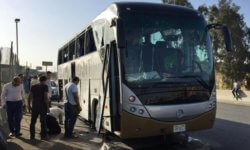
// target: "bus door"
[[111, 81], [105, 82], [114, 89]]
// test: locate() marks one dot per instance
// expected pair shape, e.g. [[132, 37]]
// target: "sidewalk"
[[87, 140], [226, 96]]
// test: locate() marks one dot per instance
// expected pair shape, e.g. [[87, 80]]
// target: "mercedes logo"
[[179, 113]]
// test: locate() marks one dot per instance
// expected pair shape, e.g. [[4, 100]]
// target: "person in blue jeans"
[[72, 107], [12, 98]]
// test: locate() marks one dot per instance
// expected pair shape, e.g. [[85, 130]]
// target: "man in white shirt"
[[12, 97], [56, 113], [34, 81]]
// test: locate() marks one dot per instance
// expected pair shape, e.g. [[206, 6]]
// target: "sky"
[[47, 24]]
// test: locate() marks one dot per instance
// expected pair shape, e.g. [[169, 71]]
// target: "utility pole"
[[17, 63], [11, 61]]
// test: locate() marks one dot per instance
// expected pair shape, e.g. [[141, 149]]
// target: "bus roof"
[[154, 7], [125, 7]]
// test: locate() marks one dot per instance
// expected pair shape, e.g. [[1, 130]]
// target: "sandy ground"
[[87, 140]]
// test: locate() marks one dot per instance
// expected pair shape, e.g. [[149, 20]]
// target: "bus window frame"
[[89, 31], [71, 52], [60, 57], [65, 52], [80, 45]]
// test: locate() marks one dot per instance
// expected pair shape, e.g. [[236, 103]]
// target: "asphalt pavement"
[[231, 130]]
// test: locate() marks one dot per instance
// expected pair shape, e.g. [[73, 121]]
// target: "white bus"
[[145, 70]]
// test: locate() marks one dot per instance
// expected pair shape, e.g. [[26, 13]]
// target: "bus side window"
[[65, 54], [72, 51], [89, 43], [60, 58], [80, 45]]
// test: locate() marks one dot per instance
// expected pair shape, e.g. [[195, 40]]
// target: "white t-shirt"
[[70, 89], [12, 93], [56, 112], [235, 84], [33, 82], [48, 83]]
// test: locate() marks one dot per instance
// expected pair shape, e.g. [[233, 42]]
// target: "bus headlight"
[[131, 98]]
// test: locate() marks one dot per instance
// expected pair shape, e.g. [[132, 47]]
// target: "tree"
[[179, 2], [235, 64]]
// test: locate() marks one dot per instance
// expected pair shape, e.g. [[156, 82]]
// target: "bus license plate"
[[179, 128]]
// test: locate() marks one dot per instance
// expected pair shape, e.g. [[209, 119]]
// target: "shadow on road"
[[14, 146], [87, 139], [226, 135]]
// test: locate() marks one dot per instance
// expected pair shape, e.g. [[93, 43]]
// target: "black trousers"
[[34, 115], [52, 125], [14, 112]]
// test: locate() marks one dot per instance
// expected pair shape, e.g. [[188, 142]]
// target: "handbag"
[[72, 108]]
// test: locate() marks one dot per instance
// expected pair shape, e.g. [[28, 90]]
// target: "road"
[[231, 132]]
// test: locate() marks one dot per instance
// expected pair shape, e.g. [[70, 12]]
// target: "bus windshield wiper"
[[198, 79]]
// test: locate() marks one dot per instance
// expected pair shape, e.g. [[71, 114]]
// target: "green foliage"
[[235, 64], [179, 2]]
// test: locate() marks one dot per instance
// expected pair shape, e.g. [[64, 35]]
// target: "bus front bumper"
[[133, 126]]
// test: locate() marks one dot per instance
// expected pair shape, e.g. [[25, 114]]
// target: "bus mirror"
[[227, 38], [120, 34], [226, 34]]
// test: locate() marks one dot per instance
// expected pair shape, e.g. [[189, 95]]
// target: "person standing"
[[26, 86], [34, 81], [22, 79], [40, 106], [48, 83], [72, 107], [56, 113], [12, 97], [236, 88]]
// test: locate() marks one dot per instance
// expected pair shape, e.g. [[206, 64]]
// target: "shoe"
[[73, 136], [18, 134], [11, 134]]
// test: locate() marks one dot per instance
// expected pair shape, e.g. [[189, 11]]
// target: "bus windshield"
[[166, 48]]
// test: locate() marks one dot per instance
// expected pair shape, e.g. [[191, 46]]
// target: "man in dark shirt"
[[40, 106]]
